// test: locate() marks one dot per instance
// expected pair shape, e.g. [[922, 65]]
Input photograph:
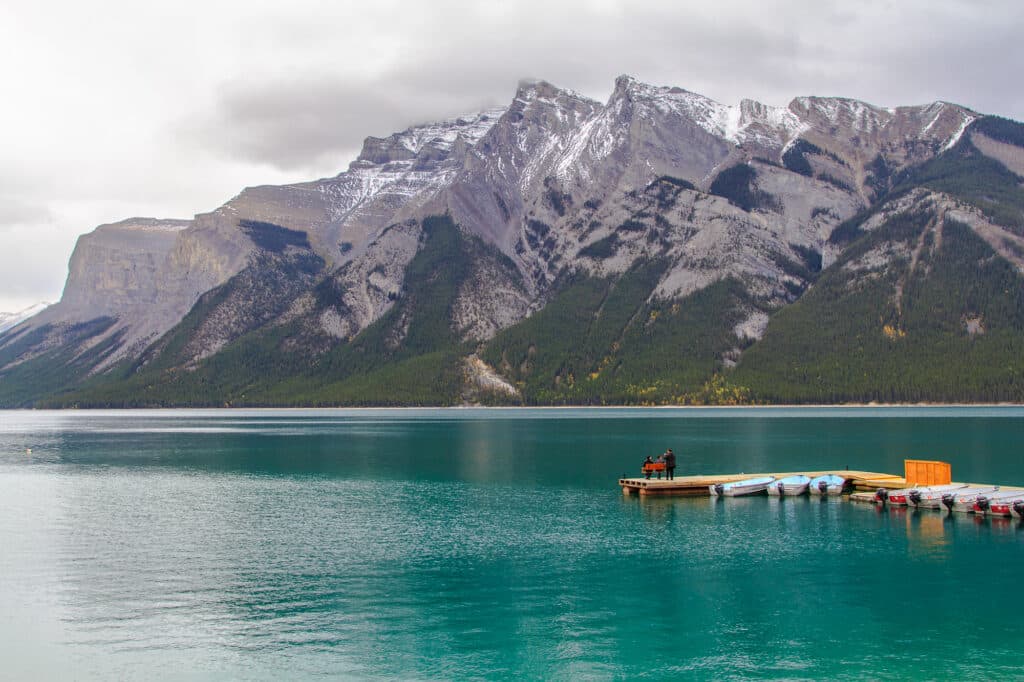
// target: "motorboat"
[[998, 503], [827, 484], [894, 498], [963, 500], [930, 496], [748, 486], [790, 486]]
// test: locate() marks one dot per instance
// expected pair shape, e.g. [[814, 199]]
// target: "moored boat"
[[963, 500], [894, 498], [748, 486], [930, 497], [790, 486], [998, 503], [827, 484]]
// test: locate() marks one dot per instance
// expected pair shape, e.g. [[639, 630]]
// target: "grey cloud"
[[14, 211], [462, 59], [360, 69], [32, 265], [978, 70], [310, 121]]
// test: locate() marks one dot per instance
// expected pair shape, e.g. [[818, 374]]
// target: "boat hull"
[[750, 486], [998, 503], [930, 497], [896, 498], [962, 501], [829, 484], [747, 490], [1001, 508], [791, 486]]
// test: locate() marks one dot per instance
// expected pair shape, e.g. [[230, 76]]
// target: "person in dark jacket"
[[643, 467], [670, 464]]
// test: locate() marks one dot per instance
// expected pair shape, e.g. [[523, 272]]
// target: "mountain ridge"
[[553, 189]]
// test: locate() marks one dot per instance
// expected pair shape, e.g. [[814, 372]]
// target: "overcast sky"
[[119, 109]]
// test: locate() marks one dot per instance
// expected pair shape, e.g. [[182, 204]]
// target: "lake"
[[495, 543]]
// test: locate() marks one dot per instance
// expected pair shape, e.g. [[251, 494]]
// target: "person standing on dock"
[[670, 464]]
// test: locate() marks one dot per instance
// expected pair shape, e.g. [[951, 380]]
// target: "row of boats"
[[786, 486], [958, 497]]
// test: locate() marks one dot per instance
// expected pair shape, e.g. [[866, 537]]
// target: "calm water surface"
[[454, 544]]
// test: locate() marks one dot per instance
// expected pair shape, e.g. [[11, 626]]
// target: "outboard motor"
[[881, 495], [981, 504], [914, 497], [949, 499], [781, 487], [718, 489], [823, 487], [1018, 507]]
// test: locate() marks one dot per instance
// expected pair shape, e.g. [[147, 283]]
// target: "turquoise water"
[[455, 544]]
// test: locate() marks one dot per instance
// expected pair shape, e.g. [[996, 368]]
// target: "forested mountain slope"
[[660, 248]]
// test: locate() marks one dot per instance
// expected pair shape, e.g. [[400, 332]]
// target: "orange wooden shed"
[[926, 472]]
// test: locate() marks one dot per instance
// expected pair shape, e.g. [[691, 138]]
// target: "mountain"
[[8, 320], [656, 248]]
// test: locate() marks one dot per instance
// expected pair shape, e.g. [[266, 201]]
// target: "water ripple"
[[195, 551]]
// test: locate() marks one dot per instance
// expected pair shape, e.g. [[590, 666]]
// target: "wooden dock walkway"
[[683, 486]]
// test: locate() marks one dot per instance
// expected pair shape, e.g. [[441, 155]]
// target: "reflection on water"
[[424, 546], [929, 531]]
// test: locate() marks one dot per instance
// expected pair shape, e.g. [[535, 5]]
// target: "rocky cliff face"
[[554, 186], [118, 272], [147, 273]]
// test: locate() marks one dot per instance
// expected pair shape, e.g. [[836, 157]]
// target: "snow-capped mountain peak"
[[546, 180]]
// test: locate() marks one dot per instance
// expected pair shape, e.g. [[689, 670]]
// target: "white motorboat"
[[894, 498], [998, 503], [827, 484], [790, 486], [748, 486], [963, 500], [930, 497]]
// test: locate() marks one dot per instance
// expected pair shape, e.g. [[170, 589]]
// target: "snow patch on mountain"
[[442, 134], [413, 162], [11, 320], [749, 121], [968, 119], [840, 111]]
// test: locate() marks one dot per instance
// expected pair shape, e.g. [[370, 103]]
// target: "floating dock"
[[862, 484], [694, 486]]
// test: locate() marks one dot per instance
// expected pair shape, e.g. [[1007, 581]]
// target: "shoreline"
[[512, 408]]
